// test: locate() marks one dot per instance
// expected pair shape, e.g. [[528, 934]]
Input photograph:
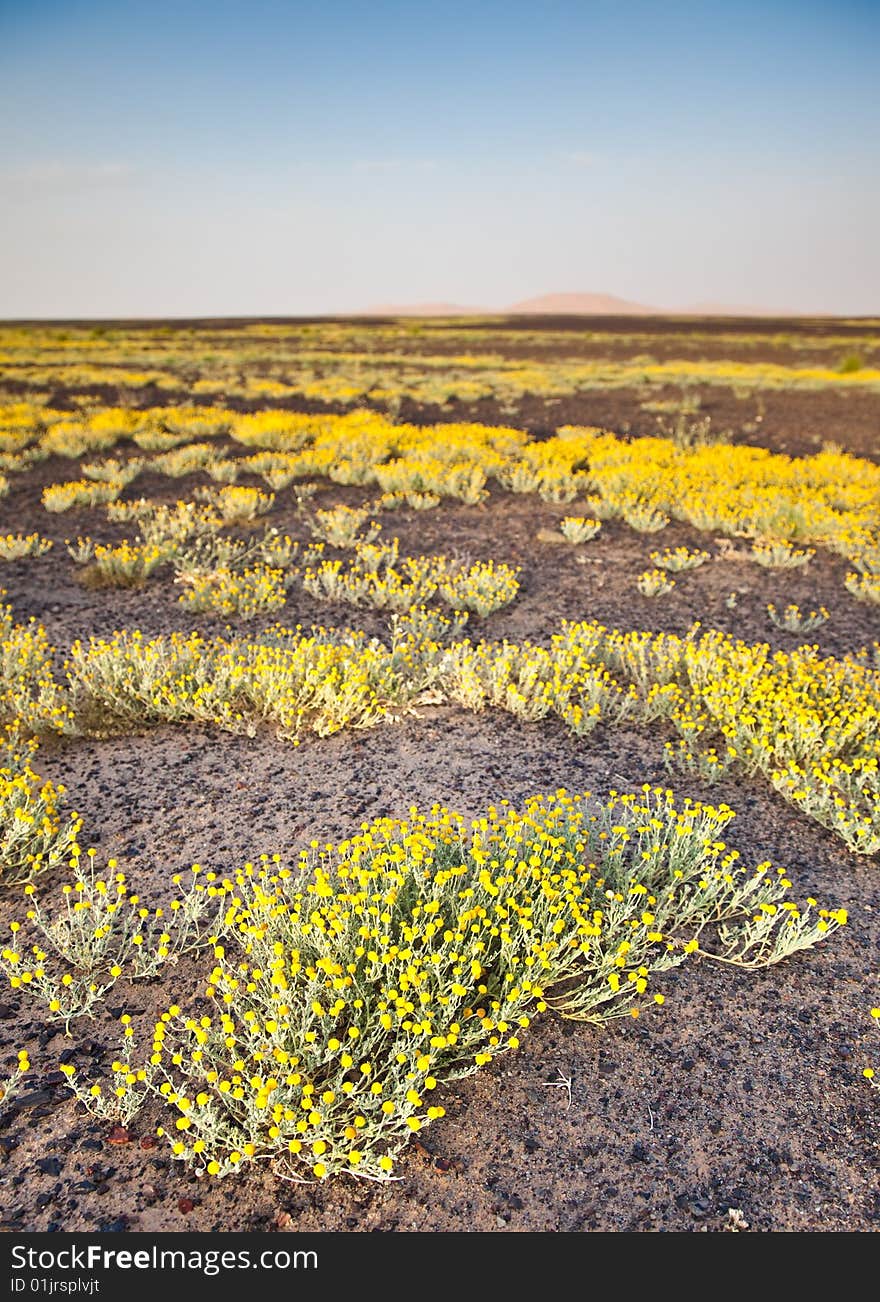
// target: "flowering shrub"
[[355, 983], [484, 587], [9, 1088], [30, 696], [243, 593], [113, 471], [654, 583], [16, 545], [161, 523], [127, 566], [679, 558], [377, 577], [236, 504], [102, 932], [343, 526], [645, 518], [184, 460], [794, 620], [33, 834], [779, 555], [82, 492], [579, 529], [864, 587]]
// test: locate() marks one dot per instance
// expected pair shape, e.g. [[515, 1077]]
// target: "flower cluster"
[[102, 932], [16, 545], [343, 526], [378, 577], [79, 492], [244, 594], [33, 834], [579, 529], [128, 565], [679, 558], [777, 554], [10, 1087], [654, 583], [237, 504], [794, 620]]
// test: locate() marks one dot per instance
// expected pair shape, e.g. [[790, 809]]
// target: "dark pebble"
[[30, 1100], [119, 1226]]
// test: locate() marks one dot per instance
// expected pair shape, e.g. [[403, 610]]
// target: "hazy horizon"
[[216, 159]]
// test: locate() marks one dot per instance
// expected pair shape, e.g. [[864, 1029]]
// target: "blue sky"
[[230, 158]]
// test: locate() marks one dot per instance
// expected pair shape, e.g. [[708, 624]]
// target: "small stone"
[[31, 1100], [445, 1165], [119, 1226]]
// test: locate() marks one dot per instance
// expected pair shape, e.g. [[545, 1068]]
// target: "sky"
[[189, 158]]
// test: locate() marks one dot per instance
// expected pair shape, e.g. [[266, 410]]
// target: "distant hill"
[[425, 309], [580, 304], [585, 304]]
